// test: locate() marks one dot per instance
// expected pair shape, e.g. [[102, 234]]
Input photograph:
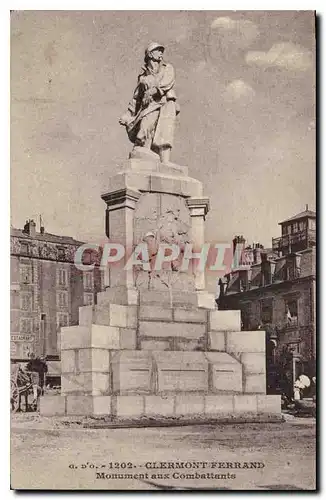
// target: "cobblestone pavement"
[[52, 453]]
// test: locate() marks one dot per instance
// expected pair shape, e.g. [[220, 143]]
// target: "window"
[[25, 273], [62, 277], [62, 319], [267, 311], [88, 299], [301, 226], [87, 258], [294, 347], [295, 227], [62, 299], [312, 224], [25, 301], [88, 280], [25, 325], [289, 228], [24, 248], [291, 307], [61, 253]]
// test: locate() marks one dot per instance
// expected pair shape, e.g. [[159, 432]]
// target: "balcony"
[[305, 238]]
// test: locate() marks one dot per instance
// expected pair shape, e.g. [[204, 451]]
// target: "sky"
[[245, 85]]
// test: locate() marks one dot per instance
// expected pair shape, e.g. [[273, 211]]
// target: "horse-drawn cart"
[[20, 385]]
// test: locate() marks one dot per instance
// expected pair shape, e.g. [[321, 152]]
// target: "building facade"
[[275, 289], [46, 290]]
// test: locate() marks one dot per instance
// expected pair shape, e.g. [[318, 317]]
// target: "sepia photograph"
[[163, 250]]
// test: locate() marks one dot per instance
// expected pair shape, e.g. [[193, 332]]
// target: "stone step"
[[226, 407]]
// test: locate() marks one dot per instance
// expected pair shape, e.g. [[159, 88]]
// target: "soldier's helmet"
[[152, 46]]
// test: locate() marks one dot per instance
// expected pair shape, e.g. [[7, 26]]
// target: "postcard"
[[163, 250]]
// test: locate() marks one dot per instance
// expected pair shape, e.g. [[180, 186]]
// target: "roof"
[[52, 238], [301, 215]]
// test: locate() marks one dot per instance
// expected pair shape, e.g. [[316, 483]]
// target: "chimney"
[[238, 240], [30, 228], [235, 241], [307, 207], [41, 225], [257, 253], [242, 241]]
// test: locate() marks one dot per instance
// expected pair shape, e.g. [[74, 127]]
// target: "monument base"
[[133, 363], [154, 346]]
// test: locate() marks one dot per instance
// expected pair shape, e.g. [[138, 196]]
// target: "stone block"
[[255, 383], [222, 321], [168, 168], [189, 404], [68, 361], [118, 295], [85, 315], [107, 337], [215, 404], [206, 300], [74, 337], [127, 338], [102, 315], [159, 405], [52, 405], [123, 316], [129, 406], [108, 315], [163, 183], [161, 297], [181, 371], [100, 360], [253, 362], [225, 372], [89, 383], [139, 163], [190, 315], [95, 360], [190, 345], [101, 405], [160, 329], [155, 345], [131, 371], [245, 403], [240, 342], [79, 405], [128, 179], [152, 312], [79, 383], [191, 188], [216, 341], [181, 298], [77, 337], [100, 384], [269, 404]]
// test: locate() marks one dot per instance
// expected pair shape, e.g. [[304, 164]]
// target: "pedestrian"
[[300, 385], [37, 367]]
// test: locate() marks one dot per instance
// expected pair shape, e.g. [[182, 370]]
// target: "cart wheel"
[[14, 396]]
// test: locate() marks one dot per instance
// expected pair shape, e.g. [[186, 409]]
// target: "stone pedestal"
[[154, 345]]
